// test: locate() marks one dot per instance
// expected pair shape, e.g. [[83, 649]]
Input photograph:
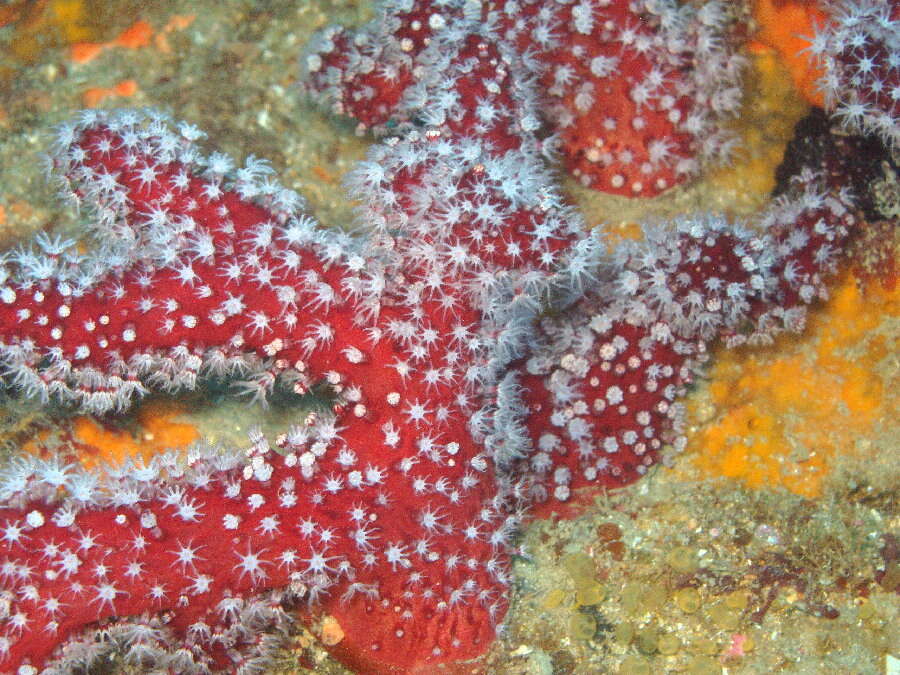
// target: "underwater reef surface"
[[769, 544]]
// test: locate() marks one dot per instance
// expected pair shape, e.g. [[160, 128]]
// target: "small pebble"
[[724, 617], [624, 633], [682, 559], [592, 594], [704, 665], [668, 644], [648, 640], [634, 665], [688, 600], [554, 598], [609, 532], [582, 626], [332, 633], [580, 566]]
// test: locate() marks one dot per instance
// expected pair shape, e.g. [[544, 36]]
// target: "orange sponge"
[[786, 411], [787, 27], [159, 431]]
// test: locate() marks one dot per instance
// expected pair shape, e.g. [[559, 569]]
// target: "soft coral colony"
[[484, 357]]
